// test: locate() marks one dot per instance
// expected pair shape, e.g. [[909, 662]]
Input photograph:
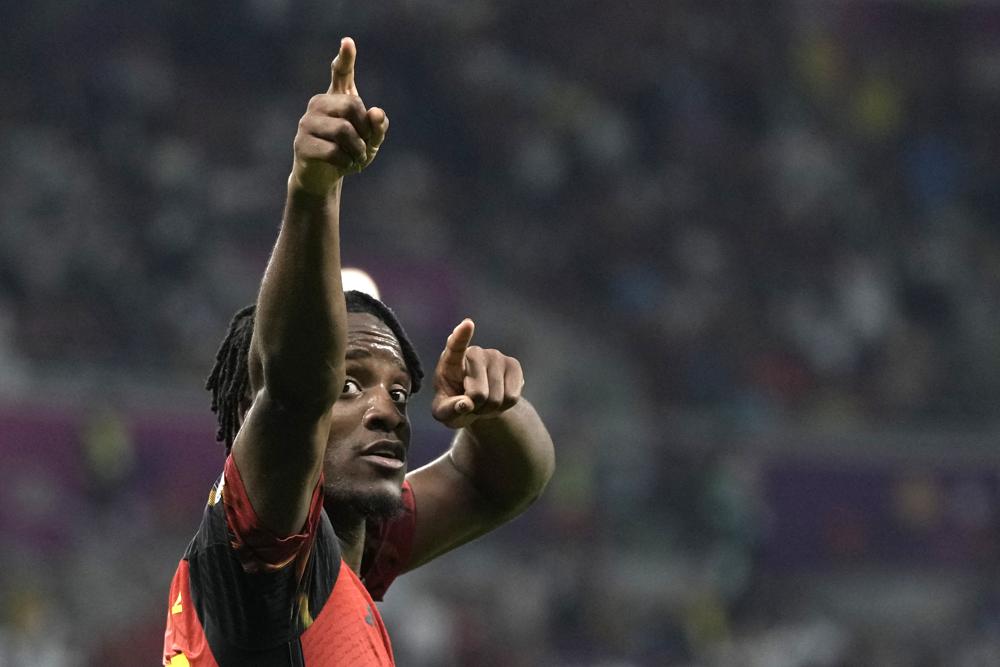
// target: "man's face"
[[365, 459]]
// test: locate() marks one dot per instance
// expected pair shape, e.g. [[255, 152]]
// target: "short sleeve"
[[389, 547], [257, 548], [252, 590]]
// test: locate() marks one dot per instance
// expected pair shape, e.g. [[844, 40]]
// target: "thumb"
[[452, 407]]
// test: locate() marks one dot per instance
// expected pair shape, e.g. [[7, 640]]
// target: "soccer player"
[[314, 514]]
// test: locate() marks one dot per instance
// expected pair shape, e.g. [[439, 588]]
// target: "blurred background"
[[747, 252]]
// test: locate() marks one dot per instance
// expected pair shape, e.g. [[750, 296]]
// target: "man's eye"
[[399, 396], [350, 388]]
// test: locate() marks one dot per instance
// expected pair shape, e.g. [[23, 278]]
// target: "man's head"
[[368, 423]]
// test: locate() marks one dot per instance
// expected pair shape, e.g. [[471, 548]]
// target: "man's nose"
[[382, 414]]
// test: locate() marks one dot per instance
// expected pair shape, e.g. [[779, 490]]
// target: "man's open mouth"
[[385, 453]]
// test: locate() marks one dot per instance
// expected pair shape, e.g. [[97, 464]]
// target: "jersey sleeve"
[[252, 589], [257, 548], [389, 546]]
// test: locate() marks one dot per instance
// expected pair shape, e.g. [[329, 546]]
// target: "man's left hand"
[[471, 383]]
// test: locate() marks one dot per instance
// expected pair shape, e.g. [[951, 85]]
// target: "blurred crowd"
[[757, 216]]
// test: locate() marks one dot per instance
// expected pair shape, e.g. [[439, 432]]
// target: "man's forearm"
[[297, 354], [509, 459], [299, 334]]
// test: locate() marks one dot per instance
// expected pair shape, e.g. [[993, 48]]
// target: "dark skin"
[[330, 387], [365, 460]]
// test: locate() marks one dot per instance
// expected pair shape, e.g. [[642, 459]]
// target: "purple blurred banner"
[[834, 513], [43, 473], [58, 462]]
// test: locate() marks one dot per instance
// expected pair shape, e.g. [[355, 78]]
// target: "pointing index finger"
[[342, 69], [458, 343]]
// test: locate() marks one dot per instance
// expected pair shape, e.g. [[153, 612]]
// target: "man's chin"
[[374, 504]]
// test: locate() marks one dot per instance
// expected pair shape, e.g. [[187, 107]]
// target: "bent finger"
[[495, 383], [316, 149], [476, 384], [348, 107], [339, 131], [513, 384], [378, 121]]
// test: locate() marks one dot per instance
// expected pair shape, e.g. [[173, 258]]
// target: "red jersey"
[[243, 596]]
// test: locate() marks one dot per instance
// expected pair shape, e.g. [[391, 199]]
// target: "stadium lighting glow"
[[356, 279]]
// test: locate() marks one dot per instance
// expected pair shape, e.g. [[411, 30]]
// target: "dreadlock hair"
[[229, 381]]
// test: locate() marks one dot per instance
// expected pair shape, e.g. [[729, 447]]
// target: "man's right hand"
[[337, 135]]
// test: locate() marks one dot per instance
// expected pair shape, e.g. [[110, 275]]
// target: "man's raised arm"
[[500, 460], [297, 352]]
